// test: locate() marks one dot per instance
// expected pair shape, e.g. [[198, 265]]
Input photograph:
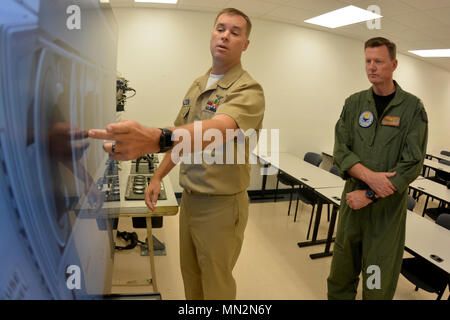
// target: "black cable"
[[128, 236]]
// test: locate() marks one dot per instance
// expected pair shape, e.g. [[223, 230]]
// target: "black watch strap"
[[165, 140]]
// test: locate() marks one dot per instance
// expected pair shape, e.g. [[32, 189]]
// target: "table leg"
[[330, 238], [264, 181], [151, 253], [314, 240]]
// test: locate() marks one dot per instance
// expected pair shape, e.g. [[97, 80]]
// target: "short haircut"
[[236, 12], [380, 41]]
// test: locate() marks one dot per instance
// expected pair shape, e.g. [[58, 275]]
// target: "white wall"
[[306, 76]]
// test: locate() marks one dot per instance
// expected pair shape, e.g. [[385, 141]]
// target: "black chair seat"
[[287, 179], [334, 170], [308, 196], [438, 179], [434, 213], [424, 275], [411, 203]]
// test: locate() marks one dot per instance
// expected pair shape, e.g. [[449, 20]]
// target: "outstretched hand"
[[131, 139], [152, 192]]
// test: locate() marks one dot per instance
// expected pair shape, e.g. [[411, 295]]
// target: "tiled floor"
[[271, 266]]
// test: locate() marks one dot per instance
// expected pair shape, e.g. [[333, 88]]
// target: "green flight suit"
[[374, 236]]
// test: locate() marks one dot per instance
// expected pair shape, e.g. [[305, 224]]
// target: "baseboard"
[[259, 196]]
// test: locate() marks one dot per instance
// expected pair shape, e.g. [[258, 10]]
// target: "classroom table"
[[430, 164], [423, 237], [437, 155], [307, 175], [427, 239], [431, 189]]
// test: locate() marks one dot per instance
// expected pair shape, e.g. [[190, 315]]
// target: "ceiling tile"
[[442, 15], [277, 1], [387, 7], [424, 45], [416, 19], [253, 8], [289, 14], [318, 7], [437, 31], [428, 4], [121, 3], [203, 3], [410, 34]]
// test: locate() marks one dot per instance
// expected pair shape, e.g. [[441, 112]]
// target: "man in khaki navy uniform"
[[214, 205], [380, 144]]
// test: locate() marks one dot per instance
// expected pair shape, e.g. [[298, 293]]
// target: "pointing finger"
[[118, 128], [100, 134]]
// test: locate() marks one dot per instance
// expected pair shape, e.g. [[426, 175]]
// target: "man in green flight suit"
[[380, 145]]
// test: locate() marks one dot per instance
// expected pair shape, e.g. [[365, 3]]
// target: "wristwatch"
[[165, 140], [371, 195]]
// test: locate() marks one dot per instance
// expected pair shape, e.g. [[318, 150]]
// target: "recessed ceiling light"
[[104, 1], [432, 53], [158, 1], [344, 16]]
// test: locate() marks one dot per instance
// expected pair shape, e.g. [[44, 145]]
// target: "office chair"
[[410, 203], [335, 170], [422, 273], [313, 158], [441, 176], [305, 194], [434, 213], [289, 181]]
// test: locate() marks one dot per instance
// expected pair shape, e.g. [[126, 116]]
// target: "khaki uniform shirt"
[[237, 95]]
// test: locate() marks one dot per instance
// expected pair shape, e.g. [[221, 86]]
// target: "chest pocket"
[[386, 134], [212, 104], [182, 116], [207, 114]]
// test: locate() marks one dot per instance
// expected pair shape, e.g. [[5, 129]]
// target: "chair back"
[[334, 170], [444, 220], [313, 158], [410, 203]]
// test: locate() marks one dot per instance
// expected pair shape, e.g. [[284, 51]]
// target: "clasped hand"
[[357, 199], [379, 182]]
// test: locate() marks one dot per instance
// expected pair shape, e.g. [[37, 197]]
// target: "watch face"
[[370, 194]]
